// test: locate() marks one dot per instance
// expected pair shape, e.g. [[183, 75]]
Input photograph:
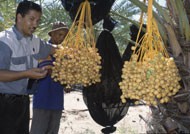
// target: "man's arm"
[[46, 49], [34, 73], [7, 76]]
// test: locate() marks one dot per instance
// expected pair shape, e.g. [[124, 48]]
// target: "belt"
[[12, 95]]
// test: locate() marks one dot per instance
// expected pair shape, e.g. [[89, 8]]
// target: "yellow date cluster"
[[154, 80], [76, 66]]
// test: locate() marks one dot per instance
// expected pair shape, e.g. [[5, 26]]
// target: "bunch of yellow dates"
[[76, 65], [154, 80]]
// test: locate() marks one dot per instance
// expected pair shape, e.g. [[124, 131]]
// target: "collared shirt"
[[19, 53]]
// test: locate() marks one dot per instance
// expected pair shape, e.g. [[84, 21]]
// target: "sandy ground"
[[77, 120]]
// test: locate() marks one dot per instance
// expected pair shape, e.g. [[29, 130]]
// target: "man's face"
[[58, 36], [28, 24]]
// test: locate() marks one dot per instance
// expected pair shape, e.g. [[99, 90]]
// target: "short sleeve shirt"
[[19, 53]]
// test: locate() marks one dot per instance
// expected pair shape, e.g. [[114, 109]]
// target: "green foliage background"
[[122, 11]]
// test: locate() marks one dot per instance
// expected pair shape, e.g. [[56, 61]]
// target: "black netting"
[[103, 99], [99, 8]]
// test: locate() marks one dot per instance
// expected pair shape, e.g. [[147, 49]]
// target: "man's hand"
[[37, 73], [48, 68]]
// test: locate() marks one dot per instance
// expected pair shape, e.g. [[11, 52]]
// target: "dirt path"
[[77, 120]]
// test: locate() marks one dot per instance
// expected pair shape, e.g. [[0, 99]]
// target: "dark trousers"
[[14, 114]]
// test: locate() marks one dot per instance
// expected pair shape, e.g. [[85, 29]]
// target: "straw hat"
[[57, 26]]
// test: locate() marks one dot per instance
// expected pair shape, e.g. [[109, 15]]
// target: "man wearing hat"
[[49, 96]]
